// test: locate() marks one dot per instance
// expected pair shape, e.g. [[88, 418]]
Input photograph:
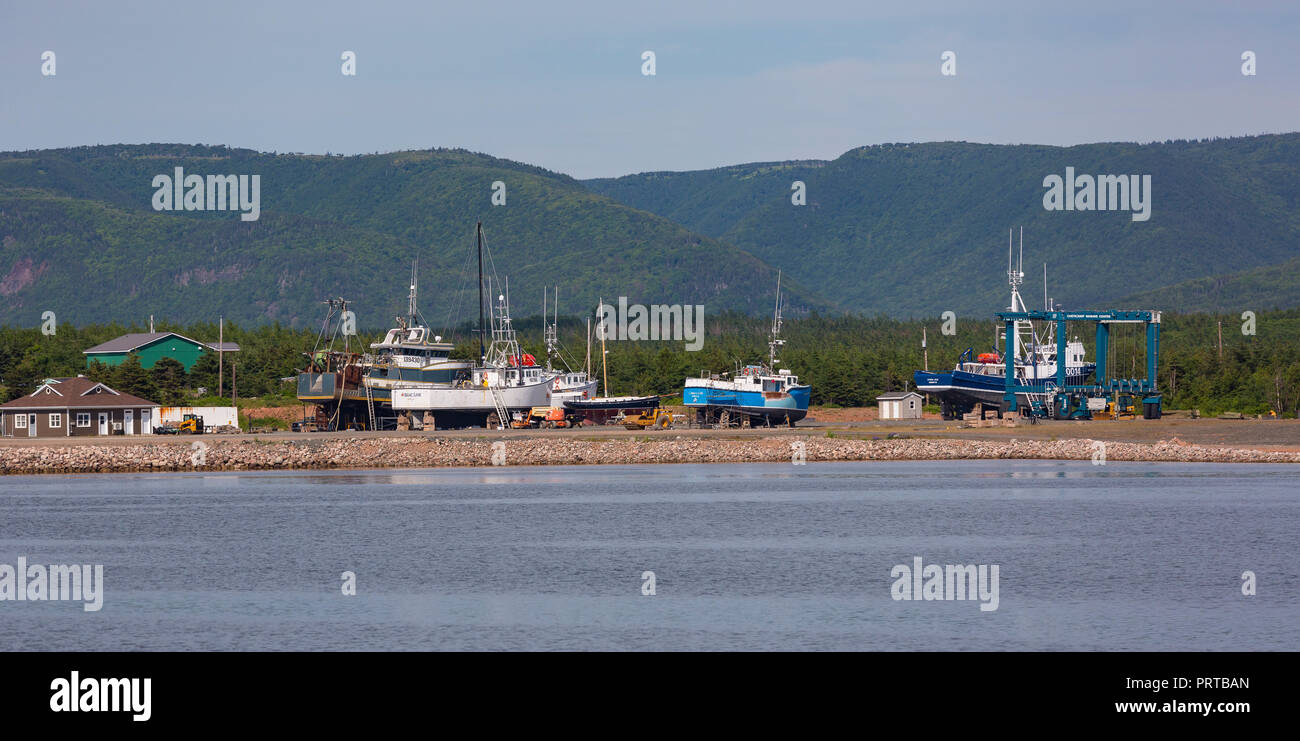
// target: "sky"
[[559, 84]]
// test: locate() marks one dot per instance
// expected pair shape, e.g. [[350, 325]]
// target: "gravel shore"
[[423, 452]]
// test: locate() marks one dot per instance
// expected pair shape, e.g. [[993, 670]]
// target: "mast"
[[550, 330], [776, 340], [410, 309], [482, 351], [518, 354], [1015, 276], [604, 371], [1045, 288]]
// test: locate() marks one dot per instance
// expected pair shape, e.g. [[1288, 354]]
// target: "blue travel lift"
[[1071, 402]]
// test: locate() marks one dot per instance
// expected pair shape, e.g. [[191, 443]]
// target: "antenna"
[[1022, 252], [1045, 287]]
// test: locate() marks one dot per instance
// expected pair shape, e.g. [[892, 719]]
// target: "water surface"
[[754, 556]]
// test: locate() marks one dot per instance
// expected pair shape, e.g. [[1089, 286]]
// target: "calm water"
[[1122, 556]]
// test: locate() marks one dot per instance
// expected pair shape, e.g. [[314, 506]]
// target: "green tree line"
[[848, 360]]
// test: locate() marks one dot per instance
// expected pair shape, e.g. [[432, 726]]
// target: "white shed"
[[900, 405]]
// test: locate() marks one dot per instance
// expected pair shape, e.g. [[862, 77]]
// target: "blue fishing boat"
[[757, 395]]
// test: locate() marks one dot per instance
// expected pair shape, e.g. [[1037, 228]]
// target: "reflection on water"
[[1120, 556]]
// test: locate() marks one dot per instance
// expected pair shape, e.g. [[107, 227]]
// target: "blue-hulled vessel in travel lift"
[[979, 381]]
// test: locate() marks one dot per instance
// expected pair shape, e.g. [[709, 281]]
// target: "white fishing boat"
[[504, 381]]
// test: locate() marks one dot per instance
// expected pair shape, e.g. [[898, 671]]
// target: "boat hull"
[[963, 390], [565, 394], [770, 406], [608, 403], [466, 407]]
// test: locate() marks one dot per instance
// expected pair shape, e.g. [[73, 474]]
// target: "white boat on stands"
[[504, 382]]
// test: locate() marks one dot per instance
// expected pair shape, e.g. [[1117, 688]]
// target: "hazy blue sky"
[[559, 84]]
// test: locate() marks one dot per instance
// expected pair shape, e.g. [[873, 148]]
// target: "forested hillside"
[[79, 237], [918, 229]]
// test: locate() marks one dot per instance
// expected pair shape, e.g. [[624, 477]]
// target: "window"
[[20, 422], [83, 419], [911, 404], [56, 420]]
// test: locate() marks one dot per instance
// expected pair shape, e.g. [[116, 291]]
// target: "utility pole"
[[1220, 340], [221, 342], [924, 350], [234, 394]]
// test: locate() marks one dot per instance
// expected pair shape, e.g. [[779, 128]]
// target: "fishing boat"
[[351, 388], [757, 395], [504, 381], [979, 380]]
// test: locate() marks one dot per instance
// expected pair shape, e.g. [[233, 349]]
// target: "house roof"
[[75, 393], [892, 395], [136, 340]]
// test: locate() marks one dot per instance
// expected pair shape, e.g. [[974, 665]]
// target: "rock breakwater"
[[424, 452]]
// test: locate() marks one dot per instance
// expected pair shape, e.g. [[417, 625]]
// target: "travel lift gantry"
[[1054, 398]]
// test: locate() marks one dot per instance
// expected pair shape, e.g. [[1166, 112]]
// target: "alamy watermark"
[[1098, 453], [53, 583], [948, 582], [1100, 193], [181, 192], [656, 322], [99, 695]]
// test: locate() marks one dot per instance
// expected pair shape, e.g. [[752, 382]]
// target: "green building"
[[152, 347]]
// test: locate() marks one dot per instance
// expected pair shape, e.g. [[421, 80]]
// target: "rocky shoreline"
[[423, 452]]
